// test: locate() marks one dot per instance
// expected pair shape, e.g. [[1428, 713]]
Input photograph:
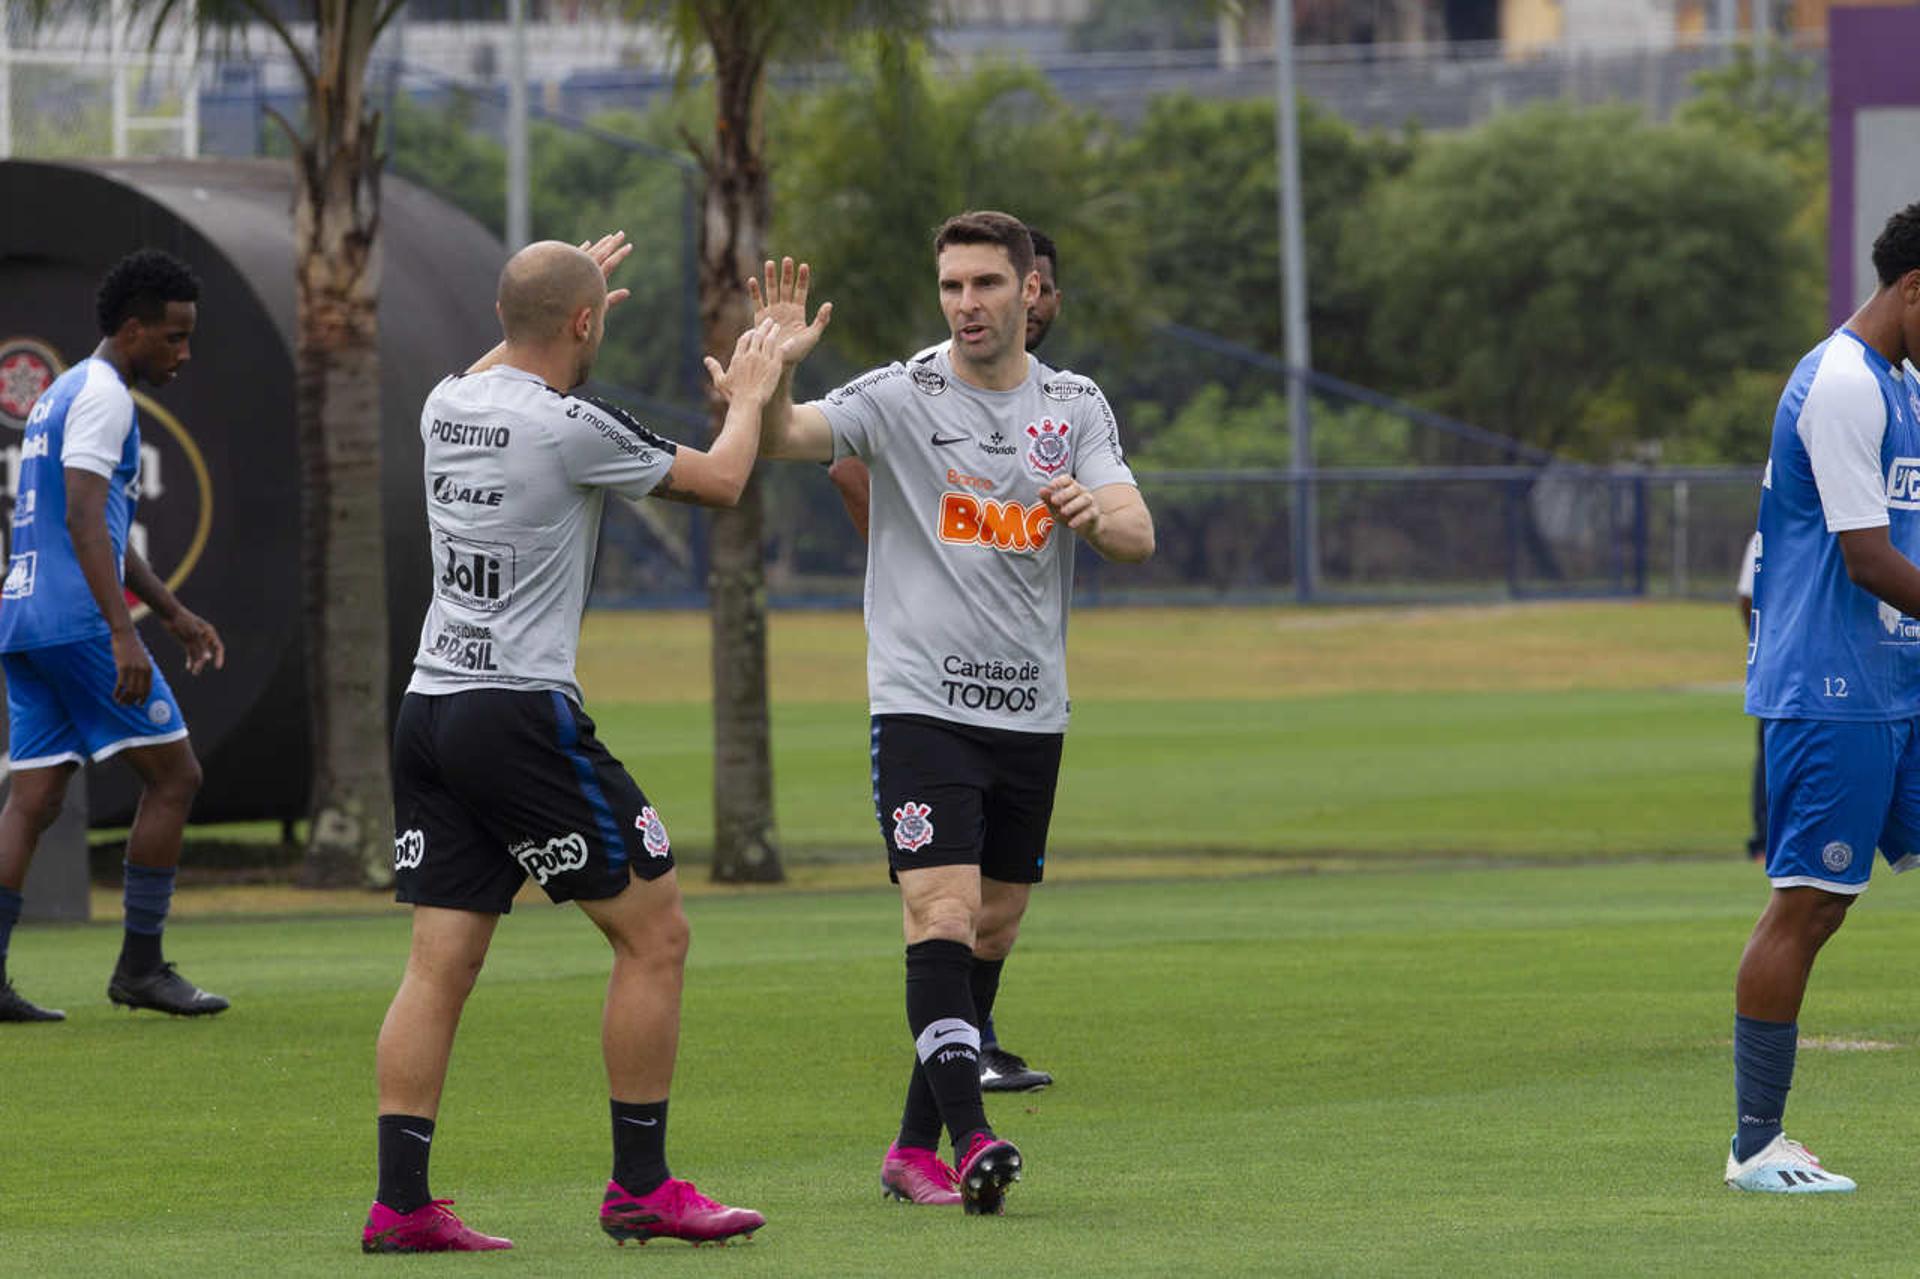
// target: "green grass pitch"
[[1405, 1072]]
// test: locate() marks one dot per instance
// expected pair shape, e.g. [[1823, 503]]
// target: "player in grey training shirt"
[[1001, 1070], [497, 773], [985, 469]]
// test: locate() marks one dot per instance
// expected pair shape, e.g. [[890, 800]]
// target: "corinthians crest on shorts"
[[912, 826], [1048, 453]]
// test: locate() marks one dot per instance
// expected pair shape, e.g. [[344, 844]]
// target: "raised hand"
[[608, 252], [783, 300], [756, 367]]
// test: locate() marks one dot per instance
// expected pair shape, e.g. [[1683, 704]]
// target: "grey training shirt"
[[516, 474], [968, 580]]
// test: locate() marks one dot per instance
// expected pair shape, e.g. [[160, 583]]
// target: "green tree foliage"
[[865, 169], [1119, 26], [1579, 279]]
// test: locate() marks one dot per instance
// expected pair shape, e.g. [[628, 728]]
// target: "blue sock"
[[9, 916], [1762, 1074], [149, 893]]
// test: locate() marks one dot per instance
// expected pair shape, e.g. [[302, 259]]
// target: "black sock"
[[940, 1014], [140, 953], [920, 1119], [640, 1145], [405, 1143], [985, 981]]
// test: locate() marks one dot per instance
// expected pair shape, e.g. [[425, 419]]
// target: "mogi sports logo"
[[1903, 484], [409, 849], [653, 832], [912, 826], [555, 857], [1048, 453]]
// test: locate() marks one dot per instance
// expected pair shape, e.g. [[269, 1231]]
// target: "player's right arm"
[[93, 549], [798, 432]]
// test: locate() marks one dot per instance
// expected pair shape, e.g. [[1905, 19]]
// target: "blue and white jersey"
[[84, 420], [1845, 456]]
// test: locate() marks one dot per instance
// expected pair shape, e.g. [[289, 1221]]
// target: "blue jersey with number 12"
[[1845, 456]]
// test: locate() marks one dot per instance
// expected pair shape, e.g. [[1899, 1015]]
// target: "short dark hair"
[[1897, 251], [1044, 247], [139, 287], [987, 226]]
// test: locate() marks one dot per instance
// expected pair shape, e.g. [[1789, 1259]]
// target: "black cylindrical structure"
[[219, 514]]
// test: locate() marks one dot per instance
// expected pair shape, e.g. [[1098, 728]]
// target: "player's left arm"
[[1113, 518], [196, 635]]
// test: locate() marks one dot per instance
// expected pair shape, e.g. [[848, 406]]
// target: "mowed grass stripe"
[[1453, 774], [1431, 1072]]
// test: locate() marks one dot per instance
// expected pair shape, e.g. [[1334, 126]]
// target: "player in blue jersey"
[[80, 684], [1833, 670]]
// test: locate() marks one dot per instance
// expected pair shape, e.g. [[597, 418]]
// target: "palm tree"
[[336, 219], [733, 42]]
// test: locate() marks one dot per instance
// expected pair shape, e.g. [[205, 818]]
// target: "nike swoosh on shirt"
[[958, 439]]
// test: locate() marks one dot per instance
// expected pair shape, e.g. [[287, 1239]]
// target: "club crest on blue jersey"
[[912, 826]]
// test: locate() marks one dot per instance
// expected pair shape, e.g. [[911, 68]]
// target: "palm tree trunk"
[[337, 366], [732, 245]]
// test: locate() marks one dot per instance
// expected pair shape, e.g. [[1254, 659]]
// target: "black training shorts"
[[952, 794], [493, 785]]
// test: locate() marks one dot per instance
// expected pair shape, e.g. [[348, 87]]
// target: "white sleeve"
[[98, 420], [1842, 425], [1097, 457], [1743, 587], [602, 446]]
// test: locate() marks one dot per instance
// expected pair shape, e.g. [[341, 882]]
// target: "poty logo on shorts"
[[409, 849], [912, 826], [1048, 452], [1836, 856], [555, 857], [653, 832], [1903, 484]]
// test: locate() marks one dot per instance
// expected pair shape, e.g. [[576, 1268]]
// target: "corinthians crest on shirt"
[[1049, 453]]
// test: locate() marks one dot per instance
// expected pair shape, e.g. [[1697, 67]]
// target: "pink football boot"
[[916, 1176], [431, 1227], [673, 1210]]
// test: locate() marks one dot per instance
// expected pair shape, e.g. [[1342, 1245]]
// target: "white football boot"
[[1784, 1167]]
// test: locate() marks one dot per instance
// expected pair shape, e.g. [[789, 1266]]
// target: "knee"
[[1827, 915], [180, 782], [451, 977], [995, 938], [945, 919], [37, 809]]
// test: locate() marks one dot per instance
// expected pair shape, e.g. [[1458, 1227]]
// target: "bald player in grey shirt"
[[498, 776], [985, 468]]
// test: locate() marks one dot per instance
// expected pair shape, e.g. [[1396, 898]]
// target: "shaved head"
[[543, 287]]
